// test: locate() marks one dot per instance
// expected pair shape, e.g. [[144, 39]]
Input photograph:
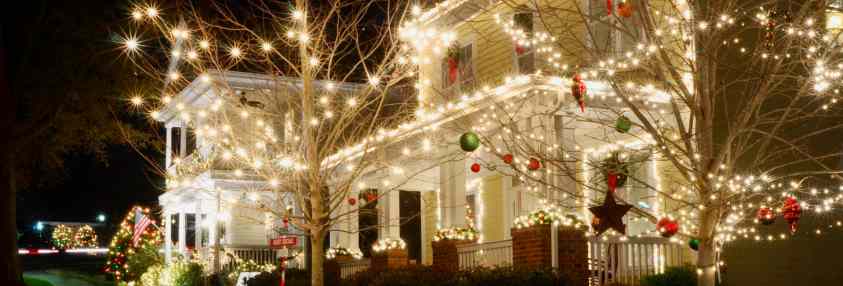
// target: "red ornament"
[[508, 158], [578, 91], [625, 9], [475, 167], [612, 181], [371, 197], [534, 164], [791, 211], [519, 49], [766, 216], [286, 222], [667, 227], [609, 7], [352, 201], [453, 69]]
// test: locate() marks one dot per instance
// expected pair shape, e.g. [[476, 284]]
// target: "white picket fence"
[[626, 262], [349, 268], [488, 254]]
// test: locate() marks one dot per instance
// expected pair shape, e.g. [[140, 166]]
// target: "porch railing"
[[348, 268], [628, 261], [488, 254]]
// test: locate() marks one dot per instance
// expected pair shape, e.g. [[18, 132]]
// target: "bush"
[[152, 276], [672, 276], [182, 273], [294, 277], [425, 275], [142, 259]]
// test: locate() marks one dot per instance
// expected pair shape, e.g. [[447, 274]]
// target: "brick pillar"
[[445, 255], [332, 269], [389, 259], [531, 248], [573, 255]]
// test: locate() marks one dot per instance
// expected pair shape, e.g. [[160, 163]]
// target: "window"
[[524, 55], [175, 142], [458, 69], [190, 142], [612, 34]]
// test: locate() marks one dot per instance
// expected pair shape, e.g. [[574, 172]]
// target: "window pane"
[[175, 141], [466, 75]]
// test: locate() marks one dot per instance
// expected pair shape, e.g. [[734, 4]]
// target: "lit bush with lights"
[[455, 233], [389, 243], [546, 216], [333, 252]]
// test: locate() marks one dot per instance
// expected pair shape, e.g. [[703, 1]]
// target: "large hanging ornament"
[[791, 211], [766, 216], [613, 167], [623, 124], [286, 222], [519, 49], [609, 7], [475, 167], [508, 158], [469, 141], [694, 244], [625, 9], [534, 164], [667, 227], [578, 91], [609, 215], [352, 201]]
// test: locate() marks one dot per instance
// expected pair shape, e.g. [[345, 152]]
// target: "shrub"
[[672, 276], [152, 276], [294, 277], [425, 275], [143, 258], [182, 273]]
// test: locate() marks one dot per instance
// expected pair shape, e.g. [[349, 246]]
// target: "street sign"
[[283, 241]]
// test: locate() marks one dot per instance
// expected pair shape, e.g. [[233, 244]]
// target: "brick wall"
[[531, 248], [445, 255], [389, 259]]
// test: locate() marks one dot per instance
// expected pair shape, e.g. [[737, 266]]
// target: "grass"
[[32, 281]]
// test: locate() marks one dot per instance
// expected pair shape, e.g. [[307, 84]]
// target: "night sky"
[[91, 187]]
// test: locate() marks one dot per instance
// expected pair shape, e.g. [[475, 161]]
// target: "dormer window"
[[458, 68], [611, 31], [524, 53]]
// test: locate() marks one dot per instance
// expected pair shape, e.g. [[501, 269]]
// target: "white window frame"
[[531, 51], [461, 83]]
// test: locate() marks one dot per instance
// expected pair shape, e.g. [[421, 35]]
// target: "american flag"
[[141, 222]]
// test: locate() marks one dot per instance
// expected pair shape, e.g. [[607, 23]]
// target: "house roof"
[[197, 92], [453, 11]]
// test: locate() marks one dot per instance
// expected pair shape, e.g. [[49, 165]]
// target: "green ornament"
[[694, 244], [623, 124], [469, 141]]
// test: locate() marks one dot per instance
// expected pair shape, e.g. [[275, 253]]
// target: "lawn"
[[32, 281]]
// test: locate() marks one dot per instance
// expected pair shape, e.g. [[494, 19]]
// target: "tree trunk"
[[8, 241], [317, 259], [707, 252]]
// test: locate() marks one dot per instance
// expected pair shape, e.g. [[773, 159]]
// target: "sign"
[[241, 280], [283, 241]]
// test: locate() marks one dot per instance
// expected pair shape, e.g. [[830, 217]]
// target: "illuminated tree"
[[63, 237], [731, 102], [122, 252], [85, 237], [335, 76]]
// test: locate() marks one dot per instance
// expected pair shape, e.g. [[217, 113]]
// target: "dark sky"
[[91, 187]]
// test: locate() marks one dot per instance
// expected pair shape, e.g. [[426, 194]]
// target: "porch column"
[[389, 205], [168, 236], [168, 154], [197, 226], [352, 237], [452, 193], [182, 233]]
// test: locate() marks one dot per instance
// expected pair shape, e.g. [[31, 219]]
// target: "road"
[[66, 269]]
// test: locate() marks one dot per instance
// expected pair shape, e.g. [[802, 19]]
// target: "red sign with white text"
[[283, 241]]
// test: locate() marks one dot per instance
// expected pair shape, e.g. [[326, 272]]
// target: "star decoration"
[[609, 215]]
